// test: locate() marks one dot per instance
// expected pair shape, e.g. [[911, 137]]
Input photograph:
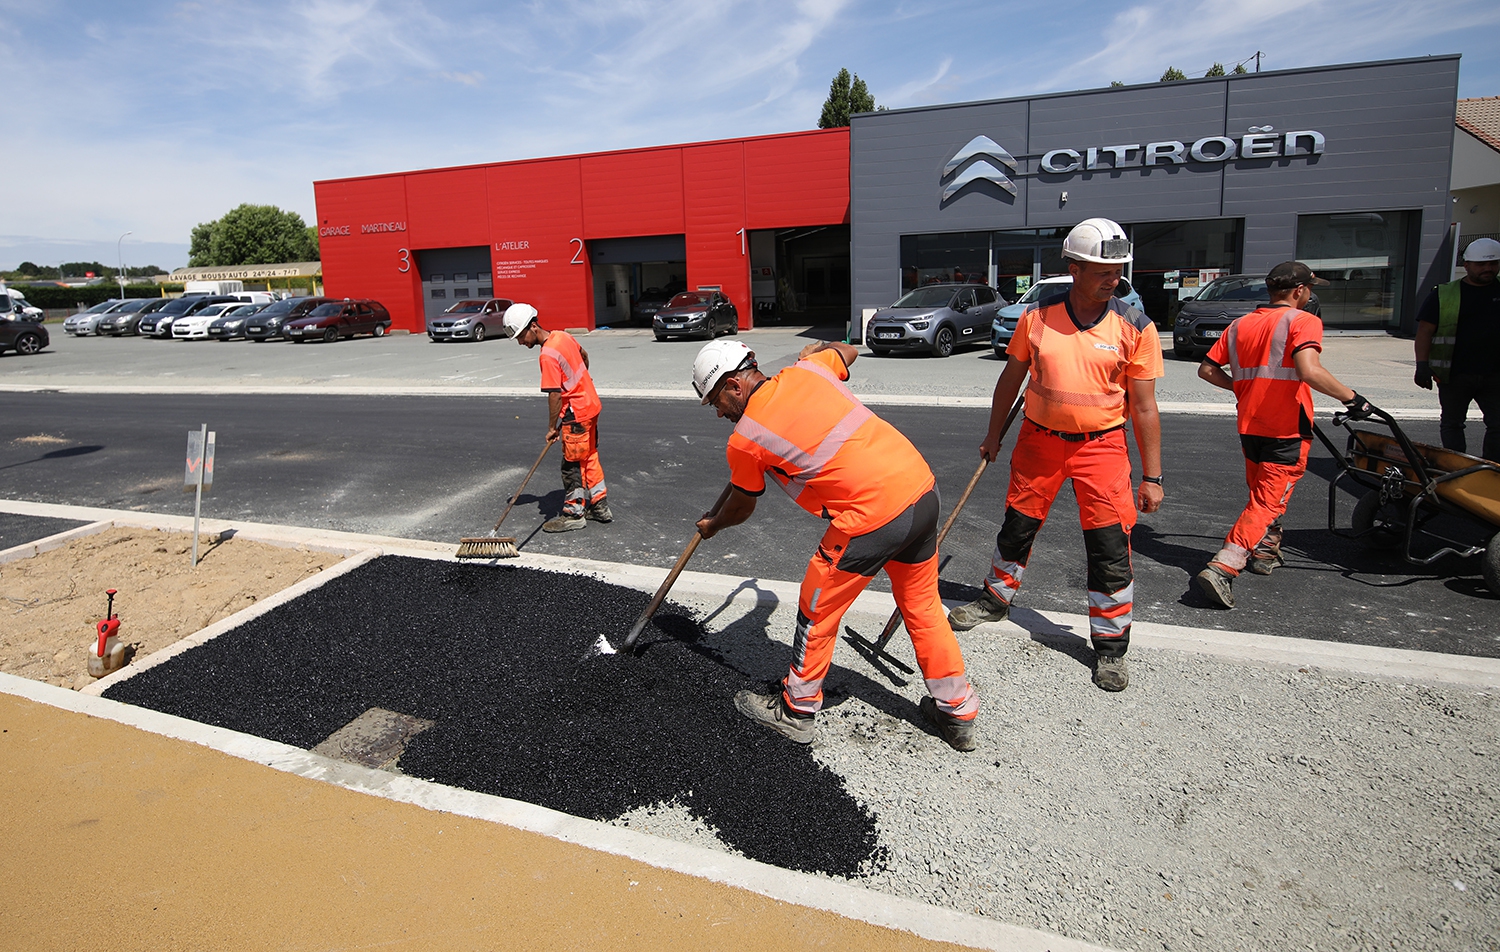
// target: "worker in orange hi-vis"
[[572, 416], [1093, 361], [1272, 355], [839, 461]]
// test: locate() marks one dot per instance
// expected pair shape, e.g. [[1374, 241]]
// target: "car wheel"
[[1000, 352], [880, 352], [478, 333], [1382, 523], [379, 330], [331, 335], [259, 340], [943, 343], [1491, 565], [713, 328], [1182, 353], [28, 344], [734, 327], [661, 337]]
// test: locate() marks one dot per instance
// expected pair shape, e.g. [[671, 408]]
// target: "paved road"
[[441, 467], [623, 361]]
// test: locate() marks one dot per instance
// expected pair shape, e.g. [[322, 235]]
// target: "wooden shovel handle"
[[666, 585], [517, 494]]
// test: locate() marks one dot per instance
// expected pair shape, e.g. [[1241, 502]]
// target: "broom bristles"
[[487, 548]]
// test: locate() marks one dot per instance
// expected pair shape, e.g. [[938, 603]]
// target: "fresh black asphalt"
[[491, 654], [407, 466]]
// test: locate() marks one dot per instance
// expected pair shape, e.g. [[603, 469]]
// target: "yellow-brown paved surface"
[[114, 838]]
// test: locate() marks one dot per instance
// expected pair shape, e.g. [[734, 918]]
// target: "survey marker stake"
[[874, 651]]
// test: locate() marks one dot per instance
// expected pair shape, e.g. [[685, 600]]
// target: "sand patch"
[[49, 604]]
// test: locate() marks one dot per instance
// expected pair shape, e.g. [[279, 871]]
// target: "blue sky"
[[150, 117]]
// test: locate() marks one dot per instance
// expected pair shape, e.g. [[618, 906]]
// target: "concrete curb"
[[801, 889]]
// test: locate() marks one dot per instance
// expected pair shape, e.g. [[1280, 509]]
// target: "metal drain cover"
[[376, 739]]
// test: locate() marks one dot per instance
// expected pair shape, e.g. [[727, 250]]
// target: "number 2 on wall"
[[404, 257], [576, 254]]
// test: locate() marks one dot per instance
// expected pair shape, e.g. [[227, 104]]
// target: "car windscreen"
[[130, 307], [100, 308], [1236, 289], [212, 310], [1037, 290], [179, 306], [688, 299], [465, 307], [326, 310], [925, 297]]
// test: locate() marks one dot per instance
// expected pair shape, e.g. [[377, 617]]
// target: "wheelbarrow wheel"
[[1379, 524], [1492, 565]]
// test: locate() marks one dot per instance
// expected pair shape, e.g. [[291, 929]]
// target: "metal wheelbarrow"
[[1407, 486]]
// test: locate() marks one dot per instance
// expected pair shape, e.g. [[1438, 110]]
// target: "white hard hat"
[[716, 359], [1482, 249], [1098, 240], [517, 316]]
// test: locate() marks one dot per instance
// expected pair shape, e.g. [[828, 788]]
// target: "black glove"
[[1358, 408], [1423, 376]]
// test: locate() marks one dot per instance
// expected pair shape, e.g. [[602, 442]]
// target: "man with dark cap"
[[1272, 355]]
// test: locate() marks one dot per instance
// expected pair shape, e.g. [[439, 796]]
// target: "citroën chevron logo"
[[981, 149]]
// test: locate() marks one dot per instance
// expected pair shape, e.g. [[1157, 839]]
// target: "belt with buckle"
[[1076, 437]]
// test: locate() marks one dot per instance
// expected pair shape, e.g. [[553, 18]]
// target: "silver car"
[[86, 323], [936, 319], [468, 320]]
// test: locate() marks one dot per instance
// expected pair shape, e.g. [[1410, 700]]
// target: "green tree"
[[1215, 70], [1239, 69], [846, 96], [252, 234], [1172, 75], [1115, 82]]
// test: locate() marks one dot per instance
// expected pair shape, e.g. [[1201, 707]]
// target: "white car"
[[86, 323], [195, 327], [15, 303]]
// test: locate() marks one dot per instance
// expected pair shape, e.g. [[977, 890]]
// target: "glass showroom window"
[[962, 257], [1367, 257]]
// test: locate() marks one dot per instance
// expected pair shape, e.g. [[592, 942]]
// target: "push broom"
[[874, 651], [493, 546]]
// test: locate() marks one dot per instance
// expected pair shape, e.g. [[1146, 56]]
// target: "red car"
[[337, 319]]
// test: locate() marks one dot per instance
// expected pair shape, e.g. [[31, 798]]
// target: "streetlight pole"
[[120, 260]]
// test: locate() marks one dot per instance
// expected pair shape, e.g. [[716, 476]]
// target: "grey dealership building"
[[1344, 167]]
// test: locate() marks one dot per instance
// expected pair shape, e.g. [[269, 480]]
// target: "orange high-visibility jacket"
[[1259, 349], [833, 456], [563, 371]]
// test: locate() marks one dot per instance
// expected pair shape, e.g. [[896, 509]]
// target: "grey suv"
[[1204, 318], [936, 319]]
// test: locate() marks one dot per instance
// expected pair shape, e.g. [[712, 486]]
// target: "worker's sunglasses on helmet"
[[1114, 248], [745, 364]]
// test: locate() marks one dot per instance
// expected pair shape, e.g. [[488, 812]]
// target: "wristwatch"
[[1151, 479]]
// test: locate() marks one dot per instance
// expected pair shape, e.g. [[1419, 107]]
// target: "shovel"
[[666, 585]]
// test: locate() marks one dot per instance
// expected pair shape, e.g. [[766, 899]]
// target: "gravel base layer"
[[1212, 805]]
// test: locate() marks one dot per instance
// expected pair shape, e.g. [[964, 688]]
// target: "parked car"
[[337, 319], [1204, 317], [195, 326], [643, 309], [230, 324], [467, 320], [123, 319], [935, 319], [271, 323], [86, 323], [695, 314], [159, 323], [22, 333], [1004, 324]]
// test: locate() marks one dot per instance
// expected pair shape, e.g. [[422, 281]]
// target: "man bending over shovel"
[[839, 461]]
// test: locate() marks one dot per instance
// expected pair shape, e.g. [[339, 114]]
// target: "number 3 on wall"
[[404, 257], [576, 254]]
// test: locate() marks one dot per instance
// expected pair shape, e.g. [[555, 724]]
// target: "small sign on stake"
[[199, 474]]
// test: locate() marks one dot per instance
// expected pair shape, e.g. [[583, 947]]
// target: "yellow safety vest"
[[1440, 358]]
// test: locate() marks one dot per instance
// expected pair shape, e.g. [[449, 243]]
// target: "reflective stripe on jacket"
[[1260, 350], [563, 370], [1440, 358]]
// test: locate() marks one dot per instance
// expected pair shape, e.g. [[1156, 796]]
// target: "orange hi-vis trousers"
[[582, 474], [1100, 470], [906, 547], [1272, 468]]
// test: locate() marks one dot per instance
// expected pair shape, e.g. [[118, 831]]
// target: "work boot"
[[982, 609], [771, 710], [1265, 564], [1215, 584], [958, 733], [1111, 673], [565, 523], [599, 512]]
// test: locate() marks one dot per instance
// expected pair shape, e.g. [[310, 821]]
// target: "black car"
[[127, 319], [643, 309], [231, 324], [159, 323], [346, 318], [22, 333], [271, 323], [696, 314], [1204, 318]]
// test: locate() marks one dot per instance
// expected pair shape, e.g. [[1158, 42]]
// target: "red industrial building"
[[764, 219]]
